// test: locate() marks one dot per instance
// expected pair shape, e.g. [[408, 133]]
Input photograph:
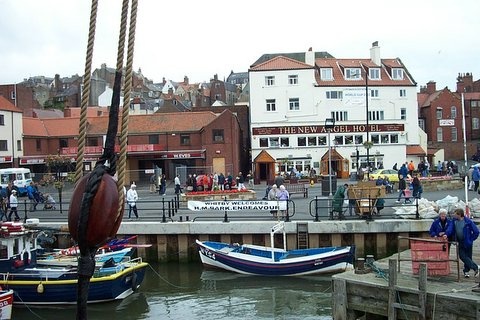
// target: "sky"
[[435, 39]]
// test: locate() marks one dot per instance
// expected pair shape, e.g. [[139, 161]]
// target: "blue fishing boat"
[[33, 284], [270, 261]]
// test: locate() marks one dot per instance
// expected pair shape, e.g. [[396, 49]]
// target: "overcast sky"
[[435, 39]]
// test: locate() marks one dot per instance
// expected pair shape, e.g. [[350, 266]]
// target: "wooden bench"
[[297, 188]]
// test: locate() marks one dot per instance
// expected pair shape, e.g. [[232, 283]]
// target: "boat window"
[[3, 251], [16, 246]]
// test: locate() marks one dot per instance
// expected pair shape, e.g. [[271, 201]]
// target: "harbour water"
[[188, 291]]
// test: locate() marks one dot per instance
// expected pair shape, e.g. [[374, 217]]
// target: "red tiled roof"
[[50, 127], [6, 105], [338, 66], [415, 150], [281, 63]]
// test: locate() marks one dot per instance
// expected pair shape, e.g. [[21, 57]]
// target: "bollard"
[[187, 218], [370, 260], [361, 263], [181, 219]]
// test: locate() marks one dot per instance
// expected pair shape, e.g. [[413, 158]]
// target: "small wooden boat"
[[6, 303], [100, 258], [270, 261]]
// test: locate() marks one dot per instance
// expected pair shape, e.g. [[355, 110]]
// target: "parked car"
[[391, 174]]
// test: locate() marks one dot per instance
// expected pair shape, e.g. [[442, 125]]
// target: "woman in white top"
[[132, 198]]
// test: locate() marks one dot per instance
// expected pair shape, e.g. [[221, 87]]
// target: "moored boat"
[[270, 261], [34, 284], [6, 302], [100, 258]]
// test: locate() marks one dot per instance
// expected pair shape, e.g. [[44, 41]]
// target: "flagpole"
[[467, 209]]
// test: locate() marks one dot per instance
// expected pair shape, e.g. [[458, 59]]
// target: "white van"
[[19, 177]]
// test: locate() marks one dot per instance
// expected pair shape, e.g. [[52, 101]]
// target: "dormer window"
[[374, 73], [326, 74], [397, 74], [353, 73]]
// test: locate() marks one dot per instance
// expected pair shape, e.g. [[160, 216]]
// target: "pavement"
[[152, 206]]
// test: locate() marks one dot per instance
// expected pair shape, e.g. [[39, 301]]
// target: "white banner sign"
[[239, 205]]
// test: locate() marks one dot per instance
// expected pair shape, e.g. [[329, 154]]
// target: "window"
[[394, 138], [2, 120], [185, 139], [403, 93], [294, 104], [439, 134], [153, 139], [92, 142], [474, 103], [439, 113], [269, 81], [293, 79], [475, 123], [358, 139], [3, 145], [374, 93], [375, 115], [375, 138], [338, 140], [348, 139], [271, 105], [397, 74], [340, 115], [263, 143], [274, 142], [322, 141], [403, 113], [374, 73], [63, 143], [384, 138], [326, 74], [453, 112], [284, 142], [38, 144], [312, 141], [217, 135], [302, 141], [454, 134], [19, 145], [334, 95], [352, 73], [13, 96]]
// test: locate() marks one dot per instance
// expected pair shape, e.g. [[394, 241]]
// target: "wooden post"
[[339, 298], [392, 282]]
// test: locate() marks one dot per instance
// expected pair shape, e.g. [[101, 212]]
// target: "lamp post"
[[329, 124], [367, 128]]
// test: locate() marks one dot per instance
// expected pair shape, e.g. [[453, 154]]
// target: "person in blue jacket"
[[465, 232], [442, 227]]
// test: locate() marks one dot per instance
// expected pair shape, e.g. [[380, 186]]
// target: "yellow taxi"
[[391, 174]]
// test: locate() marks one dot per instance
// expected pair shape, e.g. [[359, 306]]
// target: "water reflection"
[[173, 291]]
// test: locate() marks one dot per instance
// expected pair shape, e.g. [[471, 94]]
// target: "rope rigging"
[[96, 206]]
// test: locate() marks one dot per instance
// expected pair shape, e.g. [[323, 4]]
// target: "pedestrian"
[[283, 196], [32, 197], [439, 167], [402, 190], [411, 167], [465, 231], [250, 179], [178, 186], [163, 185], [337, 203], [279, 180], [403, 171], [132, 197], [240, 181], [352, 203], [229, 181], [221, 181], [153, 183], [395, 167], [13, 206], [273, 196], [215, 181], [475, 178], [3, 204], [442, 227], [417, 187]]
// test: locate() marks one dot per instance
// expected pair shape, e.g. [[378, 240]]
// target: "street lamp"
[[367, 129], [329, 124]]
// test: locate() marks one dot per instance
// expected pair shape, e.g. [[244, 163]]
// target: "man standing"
[[13, 206], [465, 232], [132, 197], [178, 187]]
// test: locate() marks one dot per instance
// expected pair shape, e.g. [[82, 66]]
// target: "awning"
[[415, 150]]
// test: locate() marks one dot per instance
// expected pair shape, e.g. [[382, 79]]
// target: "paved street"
[[152, 208]]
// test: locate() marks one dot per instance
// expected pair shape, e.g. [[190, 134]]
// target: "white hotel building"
[[291, 96]]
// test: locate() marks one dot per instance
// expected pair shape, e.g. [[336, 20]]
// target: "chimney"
[[375, 53], [310, 57], [460, 85], [164, 81], [431, 87], [185, 79]]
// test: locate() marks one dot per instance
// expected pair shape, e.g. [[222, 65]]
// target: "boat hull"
[[312, 261], [6, 302], [36, 291]]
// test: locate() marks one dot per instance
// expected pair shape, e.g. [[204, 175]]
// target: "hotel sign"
[[321, 129], [183, 155]]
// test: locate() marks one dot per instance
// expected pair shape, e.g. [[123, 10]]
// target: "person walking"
[[465, 232], [3, 204], [13, 206], [283, 197], [402, 190], [273, 196], [221, 181], [178, 186], [337, 203], [132, 197], [32, 197], [475, 178], [153, 183], [240, 181], [417, 187], [163, 185]]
